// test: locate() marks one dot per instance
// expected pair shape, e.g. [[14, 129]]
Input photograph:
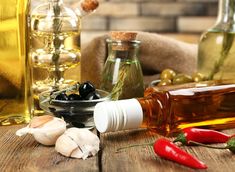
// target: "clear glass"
[[15, 84], [217, 45], [122, 75], [55, 47]]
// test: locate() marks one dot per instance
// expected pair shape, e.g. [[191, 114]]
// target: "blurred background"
[[182, 19]]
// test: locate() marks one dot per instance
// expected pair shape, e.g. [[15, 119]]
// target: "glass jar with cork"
[[122, 75]]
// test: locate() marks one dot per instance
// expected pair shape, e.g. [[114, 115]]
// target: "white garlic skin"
[[50, 131], [77, 143], [47, 132]]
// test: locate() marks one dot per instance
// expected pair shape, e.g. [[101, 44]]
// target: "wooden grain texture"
[[143, 158], [26, 155]]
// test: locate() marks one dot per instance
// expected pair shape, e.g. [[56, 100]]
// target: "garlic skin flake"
[[45, 129], [77, 143]]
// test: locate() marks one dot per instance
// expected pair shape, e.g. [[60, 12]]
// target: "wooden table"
[[25, 154]]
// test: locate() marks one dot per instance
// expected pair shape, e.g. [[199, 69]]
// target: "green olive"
[[197, 77], [165, 82], [181, 79], [167, 74]]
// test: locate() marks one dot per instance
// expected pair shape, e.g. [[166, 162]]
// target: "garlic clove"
[[77, 153], [87, 143], [40, 120], [45, 131], [23, 131], [49, 133], [35, 122], [65, 145]]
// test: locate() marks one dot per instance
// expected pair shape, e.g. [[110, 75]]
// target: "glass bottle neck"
[[53, 3], [155, 106], [226, 14], [123, 50]]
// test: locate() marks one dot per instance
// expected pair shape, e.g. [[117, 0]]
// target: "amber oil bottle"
[[167, 110]]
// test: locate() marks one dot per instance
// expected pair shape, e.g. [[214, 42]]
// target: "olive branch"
[[118, 87]]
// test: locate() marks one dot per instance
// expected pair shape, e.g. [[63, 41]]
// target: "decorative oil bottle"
[[217, 45], [122, 75], [55, 45], [167, 110], [15, 84]]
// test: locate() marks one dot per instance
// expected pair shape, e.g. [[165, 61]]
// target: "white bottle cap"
[[118, 115]]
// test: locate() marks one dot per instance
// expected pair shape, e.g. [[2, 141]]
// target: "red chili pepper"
[[168, 150], [201, 136]]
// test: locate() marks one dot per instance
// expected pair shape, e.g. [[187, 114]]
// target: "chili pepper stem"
[[181, 138], [208, 146], [135, 145]]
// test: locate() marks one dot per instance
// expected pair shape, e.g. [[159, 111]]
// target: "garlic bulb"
[[45, 129], [77, 143]]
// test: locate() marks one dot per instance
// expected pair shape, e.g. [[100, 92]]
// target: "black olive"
[[93, 96], [74, 97], [86, 88], [61, 96]]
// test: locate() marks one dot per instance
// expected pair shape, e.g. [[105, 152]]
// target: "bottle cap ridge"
[[118, 115]]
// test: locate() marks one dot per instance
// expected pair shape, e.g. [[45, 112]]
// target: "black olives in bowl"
[[76, 108]]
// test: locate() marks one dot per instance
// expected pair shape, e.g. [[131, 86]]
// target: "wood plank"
[[141, 159], [25, 154]]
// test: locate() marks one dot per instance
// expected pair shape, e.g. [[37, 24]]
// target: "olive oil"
[[167, 110], [208, 106], [55, 48], [42, 53], [15, 84], [126, 72], [216, 55], [44, 68], [122, 74]]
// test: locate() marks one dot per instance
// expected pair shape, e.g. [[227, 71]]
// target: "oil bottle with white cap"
[[168, 109]]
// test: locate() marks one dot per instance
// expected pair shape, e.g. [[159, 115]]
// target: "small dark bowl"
[[78, 113]]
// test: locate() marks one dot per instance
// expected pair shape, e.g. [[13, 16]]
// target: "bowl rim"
[[53, 101]]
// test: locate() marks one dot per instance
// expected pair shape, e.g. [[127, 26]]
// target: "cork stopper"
[[89, 5], [123, 36]]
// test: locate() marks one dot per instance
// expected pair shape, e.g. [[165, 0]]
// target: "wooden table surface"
[[25, 154]]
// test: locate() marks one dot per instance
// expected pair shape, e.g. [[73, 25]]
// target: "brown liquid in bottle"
[[168, 111]]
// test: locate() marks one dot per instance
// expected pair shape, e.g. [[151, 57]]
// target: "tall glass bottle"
[[122, 74], [15, 92], [216, 59], [167, 111], [55, 45]]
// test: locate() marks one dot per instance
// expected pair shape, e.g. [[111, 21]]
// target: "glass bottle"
[[166, 111], [122, 74], [217, 45], [55, 45], [15, 84]]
